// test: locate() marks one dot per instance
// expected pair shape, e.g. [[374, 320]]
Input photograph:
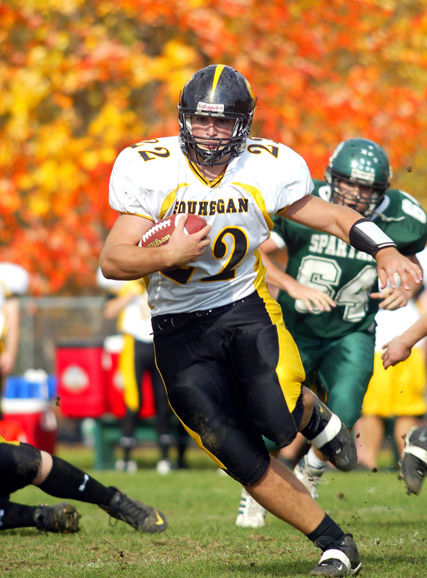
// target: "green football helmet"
[[363, 162]]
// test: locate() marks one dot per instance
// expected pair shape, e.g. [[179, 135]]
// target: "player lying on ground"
[[22, 464]]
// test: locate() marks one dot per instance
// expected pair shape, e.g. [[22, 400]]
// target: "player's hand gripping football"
[[184, 248], [390, 262]]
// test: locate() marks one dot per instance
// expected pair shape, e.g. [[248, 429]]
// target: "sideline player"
[[231, 370], [413, 461], [14, 282], [22, 464], [128, 304], [398, 393]]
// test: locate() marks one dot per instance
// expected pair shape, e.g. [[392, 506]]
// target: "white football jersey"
[[154, 179]]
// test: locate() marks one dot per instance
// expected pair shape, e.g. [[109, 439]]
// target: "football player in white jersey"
[[231, 370]]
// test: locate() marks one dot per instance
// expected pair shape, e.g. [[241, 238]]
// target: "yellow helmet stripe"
[[218, 71]]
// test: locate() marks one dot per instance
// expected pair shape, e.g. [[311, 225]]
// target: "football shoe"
[[251, 514], [328, 434], [308, 475], [138, 515], [339, 558], [63, 518], [413, 463]]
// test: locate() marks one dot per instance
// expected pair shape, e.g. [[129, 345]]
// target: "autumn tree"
[[80, 80]]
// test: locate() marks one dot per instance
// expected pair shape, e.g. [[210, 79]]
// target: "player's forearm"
[[127, 262], [415, 332], [274, 276]]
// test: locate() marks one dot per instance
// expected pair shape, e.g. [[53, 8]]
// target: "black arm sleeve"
[[367, 237]]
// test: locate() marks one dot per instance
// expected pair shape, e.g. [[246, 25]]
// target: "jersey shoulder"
[[398, 204], [322, 190], [403, 218], [146, 172], [140, 153], [401, 203], [267, 152], [156, 156]]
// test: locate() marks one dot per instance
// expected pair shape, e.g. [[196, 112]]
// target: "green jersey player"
[[336, 338], [329, 294]]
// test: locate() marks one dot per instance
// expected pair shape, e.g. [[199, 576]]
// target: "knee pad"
[[328, 434], [20, 464]]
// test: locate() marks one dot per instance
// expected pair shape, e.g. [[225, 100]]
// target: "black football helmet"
[[363, 162], [219, 91]]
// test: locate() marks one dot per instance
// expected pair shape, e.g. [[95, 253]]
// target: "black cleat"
[[328, 434], [413, 463], [63, 518], [341, 450], [339, 558], [138, 515]]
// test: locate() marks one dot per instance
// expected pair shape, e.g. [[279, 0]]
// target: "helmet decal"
[[204, 107], [366, 176], [218, 71]]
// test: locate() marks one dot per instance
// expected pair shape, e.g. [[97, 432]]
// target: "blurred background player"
[[413, 462], [14, 281], [128, 303], [329, 291], [22, 464], [395, 395]]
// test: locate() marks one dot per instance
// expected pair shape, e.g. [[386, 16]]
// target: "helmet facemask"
[[226, 148], [340, 197]]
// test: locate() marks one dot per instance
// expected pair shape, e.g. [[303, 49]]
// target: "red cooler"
[[37, 419], [12, 430], [82, 380]]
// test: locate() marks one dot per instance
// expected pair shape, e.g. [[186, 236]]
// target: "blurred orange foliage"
[[80, 80]]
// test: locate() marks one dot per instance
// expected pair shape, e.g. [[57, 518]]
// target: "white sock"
[[313, 461]]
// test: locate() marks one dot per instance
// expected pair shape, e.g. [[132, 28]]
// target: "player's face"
[[353, 195], [207, 130]]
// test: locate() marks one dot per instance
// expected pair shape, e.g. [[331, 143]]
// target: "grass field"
[[202, 540]]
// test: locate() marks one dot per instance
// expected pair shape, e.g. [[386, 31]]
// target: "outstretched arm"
[[346, 224], [399, 348]]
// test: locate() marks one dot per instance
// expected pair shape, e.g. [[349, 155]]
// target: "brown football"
[[160, 233]]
